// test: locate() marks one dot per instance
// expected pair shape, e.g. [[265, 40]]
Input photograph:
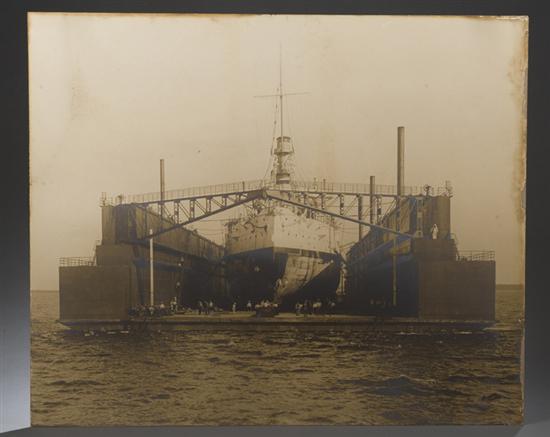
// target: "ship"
[[279, 252]]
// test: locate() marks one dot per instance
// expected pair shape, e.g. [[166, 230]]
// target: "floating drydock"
[[282, 249], [405, 270]]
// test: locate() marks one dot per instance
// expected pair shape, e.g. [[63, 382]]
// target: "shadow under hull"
[[282, 275]]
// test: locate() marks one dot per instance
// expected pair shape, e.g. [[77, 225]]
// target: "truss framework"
[[346, 206]]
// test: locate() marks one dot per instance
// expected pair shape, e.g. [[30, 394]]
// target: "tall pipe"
[[400, 192], [360, 214], [151, 272], [161, 206], [394, 273], [400, 160], [372, 198]]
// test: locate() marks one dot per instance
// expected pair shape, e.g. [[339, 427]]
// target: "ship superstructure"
[[282, 252]]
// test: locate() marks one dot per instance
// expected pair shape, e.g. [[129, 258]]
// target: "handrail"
[[75, 261], [243, 186], [476, 255]]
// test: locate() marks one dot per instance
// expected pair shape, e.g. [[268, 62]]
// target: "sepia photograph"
[[277, 219]]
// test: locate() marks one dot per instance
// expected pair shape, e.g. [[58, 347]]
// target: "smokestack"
[[161, 206], [151, 271], [400, 160], [360, 214], [372, 198]]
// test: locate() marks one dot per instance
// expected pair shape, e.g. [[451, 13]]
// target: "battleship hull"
[[282, 275], [279, 252]]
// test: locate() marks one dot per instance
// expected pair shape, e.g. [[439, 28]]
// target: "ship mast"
[[281, 87], [283, 150]]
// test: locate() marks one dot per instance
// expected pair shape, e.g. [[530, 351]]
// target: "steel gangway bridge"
[[321, 198]]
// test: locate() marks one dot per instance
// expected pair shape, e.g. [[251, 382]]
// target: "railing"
[[235, 187], [206, 190], [75, 261], [476, 255], [355, 188]]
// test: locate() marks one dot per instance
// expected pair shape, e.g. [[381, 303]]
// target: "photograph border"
[[14, 311]]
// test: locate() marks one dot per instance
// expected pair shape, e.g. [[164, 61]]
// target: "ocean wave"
[[78, 382]]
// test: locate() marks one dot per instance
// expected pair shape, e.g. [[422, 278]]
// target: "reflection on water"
[[277, 375]]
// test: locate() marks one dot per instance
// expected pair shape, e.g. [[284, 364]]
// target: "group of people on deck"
[[155, 310], [206, 307], [307, 307], [209, 307], [314, 307]]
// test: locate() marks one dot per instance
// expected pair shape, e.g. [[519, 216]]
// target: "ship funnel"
[[400, 160]]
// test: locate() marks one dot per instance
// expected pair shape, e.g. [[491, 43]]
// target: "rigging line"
[[274, 125], [289, 121], [270, 162], [269, 165], [305, 176], [281, 85], [297, 170], [298, 173], [301, 176]]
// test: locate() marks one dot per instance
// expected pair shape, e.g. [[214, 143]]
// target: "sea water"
[[273, 375]]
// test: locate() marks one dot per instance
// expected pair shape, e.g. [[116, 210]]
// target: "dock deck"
[[243, 318]]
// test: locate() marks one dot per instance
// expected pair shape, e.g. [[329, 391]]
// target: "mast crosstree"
[[283, 150]]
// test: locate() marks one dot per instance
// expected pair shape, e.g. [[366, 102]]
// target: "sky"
[[111, 94]]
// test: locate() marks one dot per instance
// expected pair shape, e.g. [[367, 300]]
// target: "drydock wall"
[[425, 288], [95, 292], [429, 279], [131, 223], [186, 266], [456, 290]]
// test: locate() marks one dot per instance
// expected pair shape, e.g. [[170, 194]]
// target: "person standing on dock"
[[234, 307], [316, 307], [200, 307], [249, 306], [210, 307], [173, 305], [434, 231], [331, 306]]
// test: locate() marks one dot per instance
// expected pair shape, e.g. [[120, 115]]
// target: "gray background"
[[14, 239]]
